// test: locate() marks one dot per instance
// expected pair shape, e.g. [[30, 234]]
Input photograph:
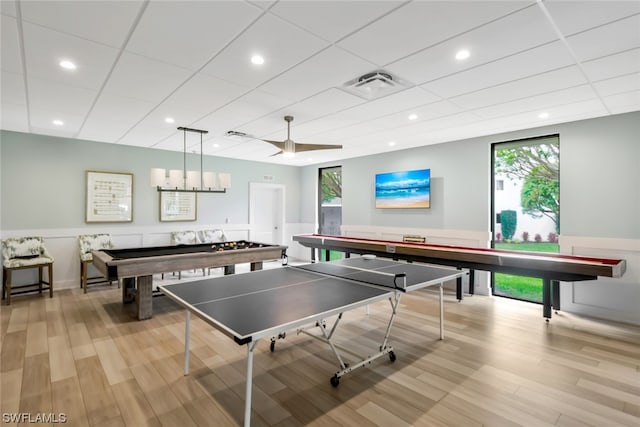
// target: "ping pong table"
[[263, 304]]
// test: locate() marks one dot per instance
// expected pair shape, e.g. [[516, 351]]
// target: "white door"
[[266, 212]]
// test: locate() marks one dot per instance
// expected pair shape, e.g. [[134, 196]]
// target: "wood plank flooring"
[[85, 356]]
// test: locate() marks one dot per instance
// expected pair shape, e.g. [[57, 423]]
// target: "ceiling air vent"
[[374, 85]]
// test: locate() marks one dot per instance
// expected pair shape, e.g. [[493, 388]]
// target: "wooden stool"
[[7, 285], [21, 253]]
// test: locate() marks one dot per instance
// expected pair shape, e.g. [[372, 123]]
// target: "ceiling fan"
[[288, 148]]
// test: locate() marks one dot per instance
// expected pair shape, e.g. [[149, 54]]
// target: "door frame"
[[254, 189]]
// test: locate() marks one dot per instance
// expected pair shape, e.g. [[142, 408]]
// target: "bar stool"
[[20, 253]]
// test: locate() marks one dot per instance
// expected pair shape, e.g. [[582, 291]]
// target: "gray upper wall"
[[599, 181], [43, 182]]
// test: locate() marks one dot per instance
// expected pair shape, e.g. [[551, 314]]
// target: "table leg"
[[555, 294], [546, 298], [247, 393], [187, 339], [128, 290], [459, 290], [441, 312], [472, 282], [144, 297]]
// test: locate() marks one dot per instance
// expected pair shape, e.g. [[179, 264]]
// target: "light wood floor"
[[500, 365]]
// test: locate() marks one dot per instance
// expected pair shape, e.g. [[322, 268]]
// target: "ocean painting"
[[401, 190]]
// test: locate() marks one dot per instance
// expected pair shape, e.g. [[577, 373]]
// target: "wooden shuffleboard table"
[[550, 267], [136, 266]]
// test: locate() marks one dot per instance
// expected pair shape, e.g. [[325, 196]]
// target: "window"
[[526, 207]]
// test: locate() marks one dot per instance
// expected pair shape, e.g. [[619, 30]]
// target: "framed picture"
[[178, 206], [109, 197], [403, 190]]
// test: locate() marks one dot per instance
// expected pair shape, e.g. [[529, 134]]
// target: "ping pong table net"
[[374, 277]]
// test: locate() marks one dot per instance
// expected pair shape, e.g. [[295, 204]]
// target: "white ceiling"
[[139, 62]]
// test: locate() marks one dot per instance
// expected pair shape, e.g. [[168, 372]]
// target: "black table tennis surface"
[[259, 304]]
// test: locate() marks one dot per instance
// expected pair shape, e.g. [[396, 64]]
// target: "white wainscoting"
[[614, 299], [296, 250], [63, 246], [472, 239]]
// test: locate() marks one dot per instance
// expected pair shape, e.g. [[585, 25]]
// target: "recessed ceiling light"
[[413, 116], [257, 60], [543, 115], [392, 143], [66, 64], [216, 145], [58, 122], [462, 54], [169, 120]]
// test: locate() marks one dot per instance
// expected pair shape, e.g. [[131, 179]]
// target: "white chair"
[[88, 243], [184, 238], [212, 236], [20, 253]]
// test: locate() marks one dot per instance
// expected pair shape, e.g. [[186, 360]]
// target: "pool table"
[[136, 266]]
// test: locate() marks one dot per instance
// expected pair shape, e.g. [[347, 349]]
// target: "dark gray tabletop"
[[253, 305]]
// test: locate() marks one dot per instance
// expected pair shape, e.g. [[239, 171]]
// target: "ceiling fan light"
[[288, 154]]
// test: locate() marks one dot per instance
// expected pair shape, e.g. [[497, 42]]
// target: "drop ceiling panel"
[[332, 20], [156, 128], [344, 130], [528, 63], [575, 16], [539, 103], [421, 24], [618, 85], [12, 89], [614, 65], [535, 85], [14, 117], [281, 44], [46, 48], [189, 34], [401, 101], [11, 56], [148, 134], [59, 98], [8, 8], [623, 102], [106, 22], [203, 93], [324, 103], [238, 113], [112, 117], [612, 38], [426, 112], [145, 79], [527, 29], [42, 122], [330, 68]]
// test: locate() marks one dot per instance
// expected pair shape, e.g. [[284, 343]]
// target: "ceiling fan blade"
[[299, 147], [278, 144]]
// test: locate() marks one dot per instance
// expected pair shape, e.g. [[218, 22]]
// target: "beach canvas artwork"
[[402, 190]]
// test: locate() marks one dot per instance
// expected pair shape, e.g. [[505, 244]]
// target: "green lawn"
[[527, 288]]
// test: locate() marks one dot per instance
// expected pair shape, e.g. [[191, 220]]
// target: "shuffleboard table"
[[136, 266], [550, 267]]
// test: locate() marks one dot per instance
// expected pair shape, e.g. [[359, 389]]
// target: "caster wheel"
[[335, 381], [272, 346], [392, 356]]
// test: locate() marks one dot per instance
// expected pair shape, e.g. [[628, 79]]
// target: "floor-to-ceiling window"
[[330, 202], [525, 206]]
